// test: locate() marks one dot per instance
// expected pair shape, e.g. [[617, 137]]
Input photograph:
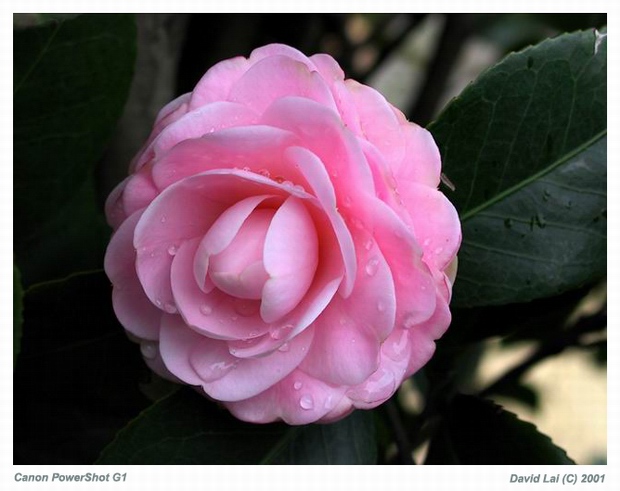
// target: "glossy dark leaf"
[[525, 145], [186, 428], [349, 441], [77, 378], [71, 78], [476, 431]]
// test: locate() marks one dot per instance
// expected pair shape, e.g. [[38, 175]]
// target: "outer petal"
[[216, 83], [131, 306], [421, 161], [435, 221], [379, 123], [298, 399], [255, 148], [278, 76], [204, 120], [184, 352]]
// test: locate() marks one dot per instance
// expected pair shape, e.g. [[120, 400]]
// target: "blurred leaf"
[[476, 431], [76, 380], [71, 78], [186, 428], [22, 20], [351, 440], [18, 318], [525, 145], [520, 392]]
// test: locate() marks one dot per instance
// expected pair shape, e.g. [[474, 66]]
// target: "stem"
[[400, 434]]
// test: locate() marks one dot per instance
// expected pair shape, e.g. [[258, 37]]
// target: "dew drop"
[[206, 309], [172, 250], [380, 306], [234, 318], [299, 187], [343, 321], [158, 303], [287, 184], [264, 172], [368, 245], [426, 242], [347, 202], [438, 251], [247, 169], [163, 219], [540, 220], [335, 173], [306, 402], [329, 402], [148, 350], [170, 308], [371, 266], [409, 321], [284, 348], [297, 385], [281, 331]]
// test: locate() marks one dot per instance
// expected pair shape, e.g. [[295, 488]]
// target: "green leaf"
[[352, 440], [186, 428], [525, 145], [18, 318], [71, 78], [478, 432], [77, 378]]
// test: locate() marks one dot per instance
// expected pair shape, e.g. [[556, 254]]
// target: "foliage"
[[525, 145]]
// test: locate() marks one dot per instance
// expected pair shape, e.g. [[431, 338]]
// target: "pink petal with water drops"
[[216, 83], [298, 399], [414, 284], [290, 259], [324, 134], [204, 120], [215, 314], [435, 221], [275, 77], [256, 148], [131, 306], [206, 362]]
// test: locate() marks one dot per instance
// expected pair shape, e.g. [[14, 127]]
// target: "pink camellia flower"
[[281, 243]]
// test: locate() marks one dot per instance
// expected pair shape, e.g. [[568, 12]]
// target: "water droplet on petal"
[[299, 187], [371, 266], [170, 308], [409, 321], [233, 318], [163, 219], [329, 402], [264, 173], [158, 302], [343, 321], [306, 402], [438, 251], [148, 350], [380, 306], [288, 184], [247, 169], [206, 309], [284, 348], [368, 245], [172, 250], [426, 242], [347, 201], [280, 331], [298, 385]]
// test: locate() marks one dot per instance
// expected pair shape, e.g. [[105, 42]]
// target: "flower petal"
[[131, 306], [297, 399], [290, 259], [216, 83], [435, 221], [278, 76]]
